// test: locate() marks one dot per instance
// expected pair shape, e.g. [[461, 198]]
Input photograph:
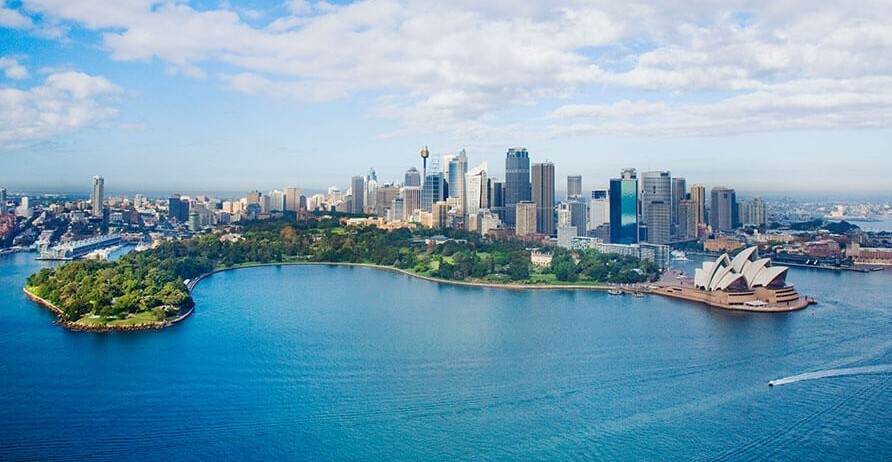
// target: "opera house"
[[745, 282]]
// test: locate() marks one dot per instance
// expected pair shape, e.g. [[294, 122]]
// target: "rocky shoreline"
[[79, 327]]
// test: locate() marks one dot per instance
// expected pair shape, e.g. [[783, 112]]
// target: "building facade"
[[543, 196], [624, 208], [517, 182]]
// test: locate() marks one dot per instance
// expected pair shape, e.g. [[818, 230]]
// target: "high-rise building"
[[624, 208], [434, 188], [722, 209], [656, 187], [411, 200], [698, 195], [398, 209], [384, 197], [526, 212], [753, 212], [3, 210], [578, 215], [679, 193], [178, 209], [440, 214], [97, 197], [276, 200], [253, 197], [517, 182], [412, 177], [458, 168], [292, 199], [477, 186], [687, 219], [497, 197], [658, 219], [357, 186], [543, 196], [599, 208], [574, 186]]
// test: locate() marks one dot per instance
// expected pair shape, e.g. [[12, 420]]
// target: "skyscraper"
[[656, 188], [98, 196], [679, 193], [292, 199], [574, 186], [722, 209], [497, 197], [578, 212], [477, 186], [384, 197], [434, 188], [543, 197], [526, 212], [412, 178], [178, 209], [411, 200], [599, 208], [624, 208], [698, 195], [357, 185], [687, 219], [458, 168], [517, 182], [3, 210]]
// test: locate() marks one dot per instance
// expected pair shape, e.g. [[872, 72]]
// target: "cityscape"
[[410, 230]]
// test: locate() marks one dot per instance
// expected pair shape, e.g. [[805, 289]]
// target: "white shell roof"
[[724, 272]]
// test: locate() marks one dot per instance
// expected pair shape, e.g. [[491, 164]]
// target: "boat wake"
[[881, 369]]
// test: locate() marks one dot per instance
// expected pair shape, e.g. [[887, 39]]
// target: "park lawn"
[[144, 317]]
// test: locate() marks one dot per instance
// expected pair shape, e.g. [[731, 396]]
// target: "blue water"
[[332, 363]]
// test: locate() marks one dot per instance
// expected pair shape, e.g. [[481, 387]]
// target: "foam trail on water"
[[881, 369]]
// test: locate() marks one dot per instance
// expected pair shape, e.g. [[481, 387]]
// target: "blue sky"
[[225, 95]]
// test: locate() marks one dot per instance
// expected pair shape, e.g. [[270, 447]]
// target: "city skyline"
[[259, 94]]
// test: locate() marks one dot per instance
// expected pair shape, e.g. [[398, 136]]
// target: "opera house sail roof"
[[745, 272]]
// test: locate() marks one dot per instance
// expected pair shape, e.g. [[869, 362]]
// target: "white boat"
[[678, 255], [615, 292]]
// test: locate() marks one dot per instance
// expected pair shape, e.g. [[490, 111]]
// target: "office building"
[[411, 200], [276, 200], [384, 197], [526, 213], [679, 193], [578, 215], [253, 197], [292, 199], [543, 196], [357, 187], [97, 197], [723, 209], [434, 188], [496, 198], [658, 219], [477, 190], [517, 182], [398, 209], [656, 188], [698, 195], [687, 220], [178, 209], [3, 210], [458, 168], [574, 186], [412, 177], [753, 212], [440, 214], [624, 208], [599, 209]]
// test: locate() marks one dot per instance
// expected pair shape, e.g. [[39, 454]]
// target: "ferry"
[[678, 255]]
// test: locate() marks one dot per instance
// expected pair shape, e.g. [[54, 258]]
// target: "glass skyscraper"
[[517, 182], [624, 208]]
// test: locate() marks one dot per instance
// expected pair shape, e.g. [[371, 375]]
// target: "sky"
[[164, 96]]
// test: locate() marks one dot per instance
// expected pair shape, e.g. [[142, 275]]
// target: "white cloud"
[[64, 103], [13, 19], [795, 105], [453, 65], [12, 69]]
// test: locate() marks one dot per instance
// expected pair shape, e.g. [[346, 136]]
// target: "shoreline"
[[191, 283], [78, 327]]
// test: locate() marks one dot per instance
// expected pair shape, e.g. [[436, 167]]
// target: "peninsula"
[[149, 289]]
